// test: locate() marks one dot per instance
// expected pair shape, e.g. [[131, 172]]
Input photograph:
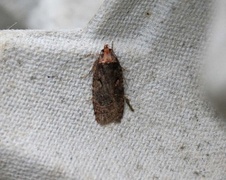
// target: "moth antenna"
[[128, 103]]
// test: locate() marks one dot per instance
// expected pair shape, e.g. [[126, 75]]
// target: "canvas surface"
[[47, 125]]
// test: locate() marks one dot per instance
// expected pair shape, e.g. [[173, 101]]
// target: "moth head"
[[107, 55]]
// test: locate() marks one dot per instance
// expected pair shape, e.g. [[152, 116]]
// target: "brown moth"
[[108, 88]]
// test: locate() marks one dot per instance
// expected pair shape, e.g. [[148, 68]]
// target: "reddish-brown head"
[[107, 56]]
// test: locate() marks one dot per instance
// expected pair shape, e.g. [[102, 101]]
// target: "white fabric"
[[46, 14], [215, 74], [47, 126]]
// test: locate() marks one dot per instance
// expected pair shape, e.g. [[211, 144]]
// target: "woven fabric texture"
[[47, 125]]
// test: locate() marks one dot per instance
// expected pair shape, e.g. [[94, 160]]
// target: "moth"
[[108, 88]]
